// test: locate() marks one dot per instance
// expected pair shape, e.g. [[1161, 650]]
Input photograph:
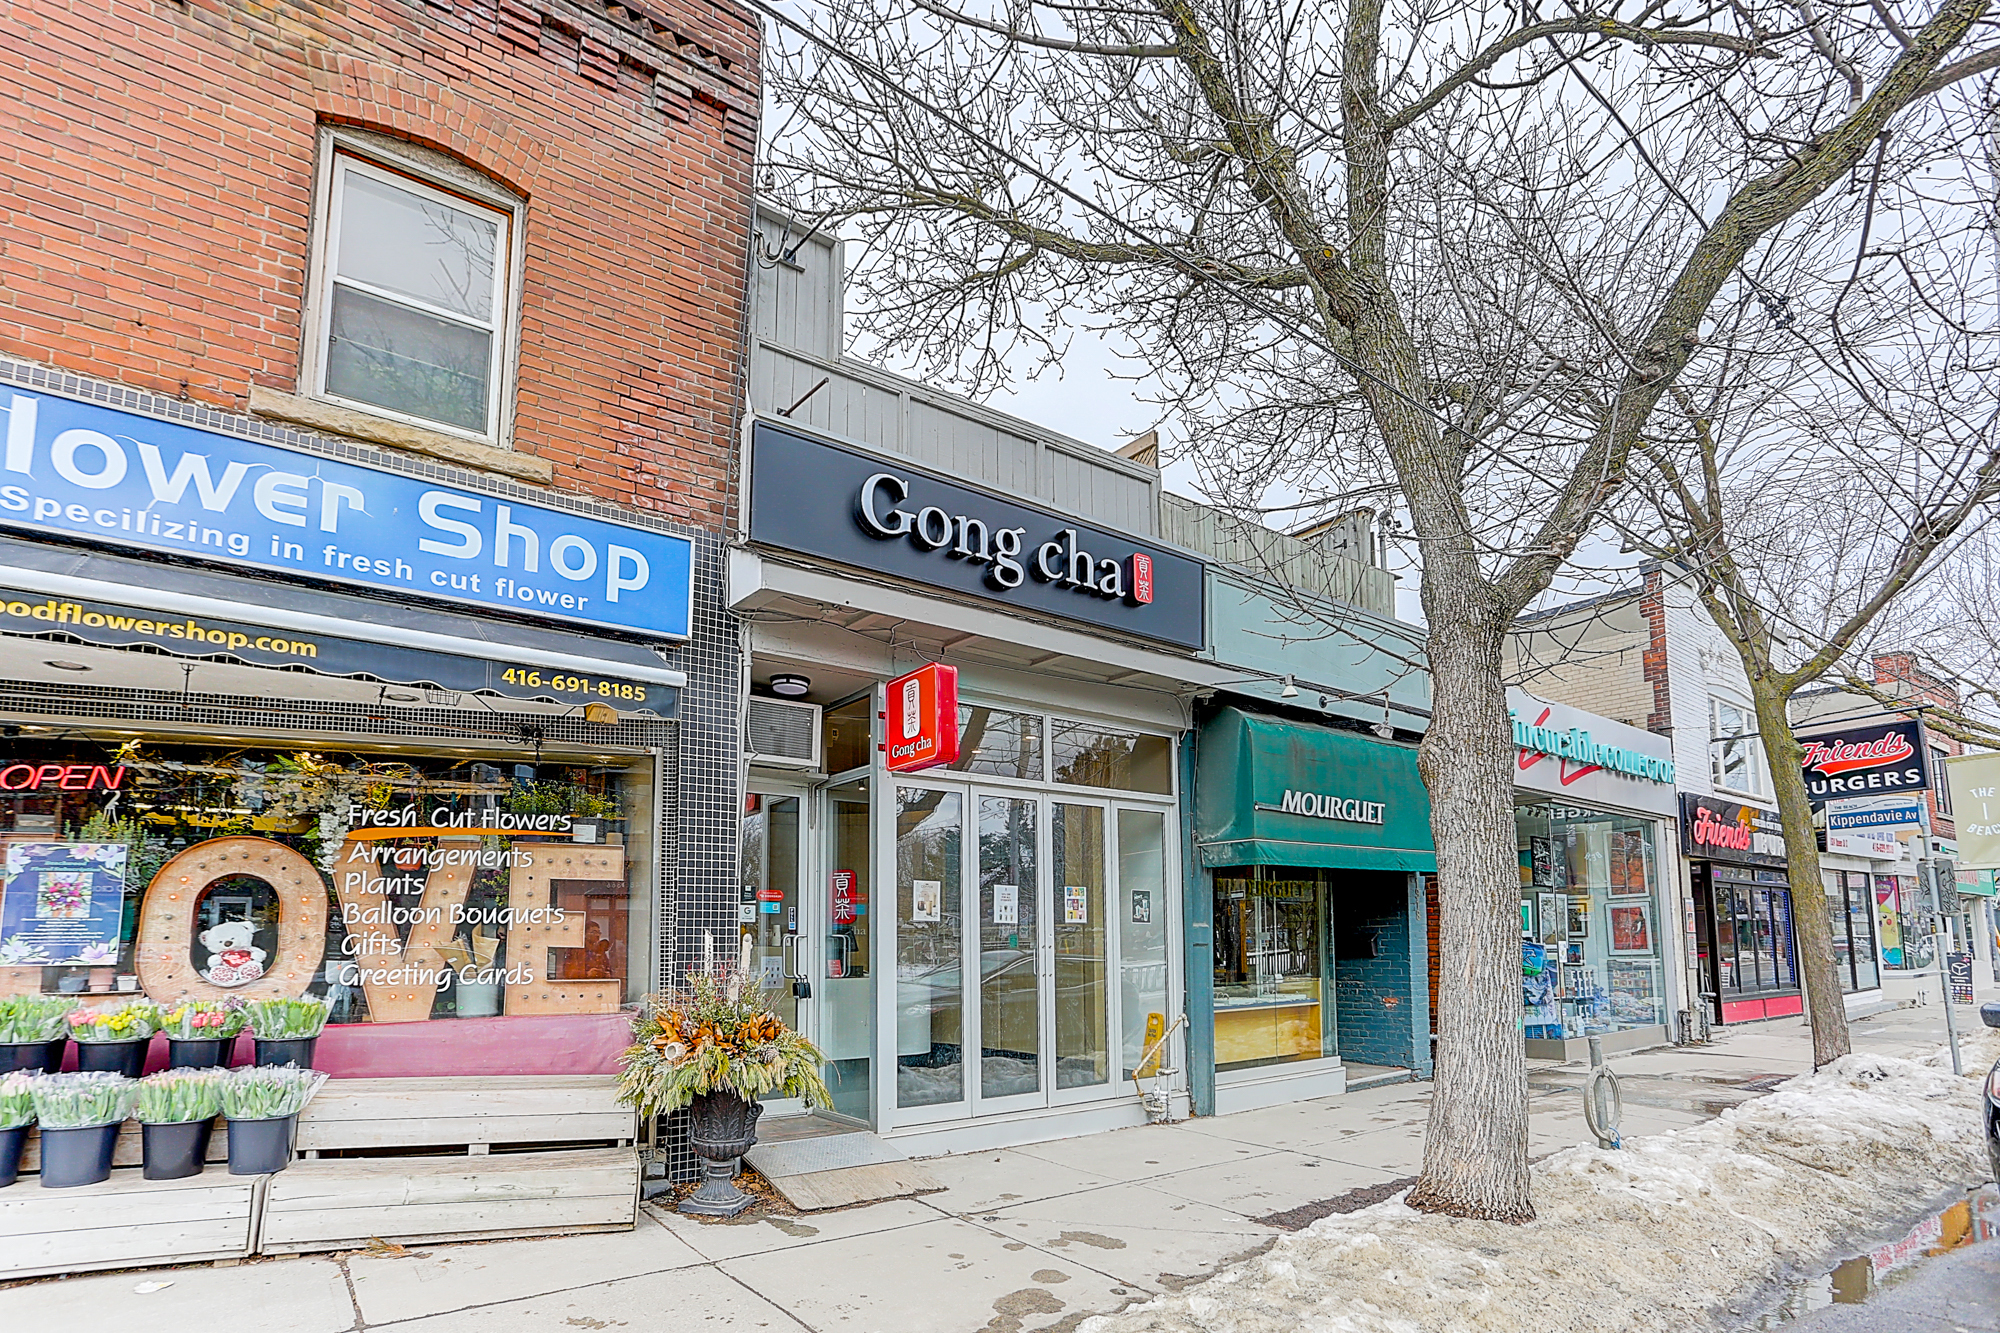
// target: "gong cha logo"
[[1061, 560]]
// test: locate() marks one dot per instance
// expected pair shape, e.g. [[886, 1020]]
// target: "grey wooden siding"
[[1278, 557]]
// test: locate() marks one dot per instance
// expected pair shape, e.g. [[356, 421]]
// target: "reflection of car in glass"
[[1989, 1014]]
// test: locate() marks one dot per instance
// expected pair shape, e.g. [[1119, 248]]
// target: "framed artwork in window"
[[1631, 928]]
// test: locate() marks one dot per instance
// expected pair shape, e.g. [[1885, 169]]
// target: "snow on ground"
[[1655, 1237]]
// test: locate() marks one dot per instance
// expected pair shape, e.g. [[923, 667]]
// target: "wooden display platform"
[[469, 1114], [126, 1222], [565, 1161], [343, 1204]]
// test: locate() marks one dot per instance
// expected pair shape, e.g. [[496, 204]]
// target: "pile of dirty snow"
[[1657, 1236]]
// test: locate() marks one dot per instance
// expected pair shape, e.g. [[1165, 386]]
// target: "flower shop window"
[[398, 886]]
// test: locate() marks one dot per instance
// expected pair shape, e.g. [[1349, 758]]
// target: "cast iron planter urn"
[[721, 1127]]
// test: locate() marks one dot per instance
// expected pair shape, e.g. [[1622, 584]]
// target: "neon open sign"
[[62, 777]]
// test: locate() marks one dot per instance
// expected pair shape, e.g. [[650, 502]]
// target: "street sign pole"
[[1928, 880]]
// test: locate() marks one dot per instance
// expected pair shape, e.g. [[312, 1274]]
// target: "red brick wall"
[[1901, 673], [1653, 658], [158, 164]]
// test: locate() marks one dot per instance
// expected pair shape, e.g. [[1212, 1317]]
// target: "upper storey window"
[[414, 301]]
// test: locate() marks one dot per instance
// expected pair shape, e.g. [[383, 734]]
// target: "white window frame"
[[1940, 792], [430, 174], [1753, 748]]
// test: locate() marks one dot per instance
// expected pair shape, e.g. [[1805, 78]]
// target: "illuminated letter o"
[[166, 920]]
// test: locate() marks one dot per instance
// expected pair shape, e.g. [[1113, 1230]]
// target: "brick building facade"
[[413, 329], [164, 161]]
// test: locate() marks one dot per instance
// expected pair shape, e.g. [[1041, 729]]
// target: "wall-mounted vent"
[[782, 733]]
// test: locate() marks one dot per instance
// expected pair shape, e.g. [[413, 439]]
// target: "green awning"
[[1276, 793]]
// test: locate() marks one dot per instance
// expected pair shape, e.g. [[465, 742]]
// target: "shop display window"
[[848, 737], [1906, 939], [1591, 948], [1086, 755], [1850, 917], [401, 886], [992, 740], [1270, 967]]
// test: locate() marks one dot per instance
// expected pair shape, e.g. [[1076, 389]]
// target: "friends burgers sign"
[[1865, 759], [882, 515]]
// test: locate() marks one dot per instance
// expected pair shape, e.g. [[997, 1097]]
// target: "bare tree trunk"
[[1476, 1150], [1825, 1006]]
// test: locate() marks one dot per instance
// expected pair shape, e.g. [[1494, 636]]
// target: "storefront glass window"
[[1090, 756], [1270, 967], [847, 736], [1083, 1000], [1900, 923], [1861, 932], [1010, 927], [930, 1006], [1142, 932], [402, 887], [1591, 951], [847, 992], [1008, 745], [1851, 920]]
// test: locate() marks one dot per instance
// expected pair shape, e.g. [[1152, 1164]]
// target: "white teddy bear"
[[232, 959]]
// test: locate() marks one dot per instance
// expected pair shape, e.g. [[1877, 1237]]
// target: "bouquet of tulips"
[[264, 1092], [26, 1019], [17, 1100], [81, 1101], [177, 1096], [202, 1020], [286, 1020], [130, 1022]]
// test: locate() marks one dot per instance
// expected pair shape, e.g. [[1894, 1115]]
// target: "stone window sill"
[[397, 435]]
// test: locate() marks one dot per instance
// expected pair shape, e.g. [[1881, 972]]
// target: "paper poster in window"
[[926, 900], [1006, 904], [1076, 905], [1142, 906], [1631, 927], [1542, 853], [1579, 918], [64, 902], [1552, 914]]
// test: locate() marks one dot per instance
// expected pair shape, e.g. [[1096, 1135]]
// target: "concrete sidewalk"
[[1020, 1239]]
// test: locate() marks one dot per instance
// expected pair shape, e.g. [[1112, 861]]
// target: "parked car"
[[1989, 1013]]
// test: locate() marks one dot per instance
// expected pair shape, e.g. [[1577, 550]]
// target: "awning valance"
[[1278, 793]]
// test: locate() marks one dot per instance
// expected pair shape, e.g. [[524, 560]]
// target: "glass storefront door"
[[930, 990], [846, 1032], [768, 905], [1082, 930], [1007, 945], [1011, 930]]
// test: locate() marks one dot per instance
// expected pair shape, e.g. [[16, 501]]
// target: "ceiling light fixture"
[[790, 684], [67, 666], [1291, 690]]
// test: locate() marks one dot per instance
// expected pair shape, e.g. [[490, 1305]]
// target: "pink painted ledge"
[[447, 1047]]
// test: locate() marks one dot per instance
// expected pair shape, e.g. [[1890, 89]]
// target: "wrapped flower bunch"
[[286, 1020], [27, 1019], [268, 1092], [202, 1020], [177, 1096], [81, 1101], [130, 1022], [17, 1100]]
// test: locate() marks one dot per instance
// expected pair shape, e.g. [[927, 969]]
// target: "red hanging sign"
[[923, 719]]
